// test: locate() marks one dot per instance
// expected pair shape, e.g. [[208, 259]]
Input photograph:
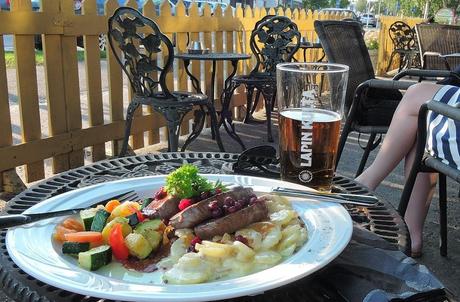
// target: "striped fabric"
[[443, 135]]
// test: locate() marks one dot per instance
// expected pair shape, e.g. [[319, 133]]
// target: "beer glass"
[[311, 99]]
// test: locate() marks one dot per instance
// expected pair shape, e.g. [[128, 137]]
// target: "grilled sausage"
[[232, 222], [163, 208], [200, 211]]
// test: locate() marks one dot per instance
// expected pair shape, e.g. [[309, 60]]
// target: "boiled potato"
[[283, 217], [288, 251], [190, 269], [213, 249], [271, 238], [293, 238], [244, 253], [138, 246], [267, 257], [254, 238]]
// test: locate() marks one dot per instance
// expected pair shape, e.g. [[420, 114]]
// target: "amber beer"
[[308, 146]]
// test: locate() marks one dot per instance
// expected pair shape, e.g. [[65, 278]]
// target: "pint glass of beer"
[[311, 100]]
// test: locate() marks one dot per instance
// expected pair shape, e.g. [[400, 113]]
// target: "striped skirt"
[[443, 134]]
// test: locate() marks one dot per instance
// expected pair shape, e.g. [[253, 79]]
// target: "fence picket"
[[115, 81], [71, 85], [27, 91], [6, 137], [57, 119], [153, 134]]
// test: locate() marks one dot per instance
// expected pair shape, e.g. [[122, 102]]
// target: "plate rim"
[[166, 296]]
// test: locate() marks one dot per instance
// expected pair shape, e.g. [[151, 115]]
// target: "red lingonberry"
[[161, 193], [195, 240], [185, 203], [242, 239]]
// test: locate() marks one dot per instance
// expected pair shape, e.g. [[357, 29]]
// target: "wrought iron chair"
[[426, 161], [369, 103], [139, 40], [404, 43], [439, 45], [271, 43]]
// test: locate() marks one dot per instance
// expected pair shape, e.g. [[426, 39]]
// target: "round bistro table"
[[225, 113], [381, 219]]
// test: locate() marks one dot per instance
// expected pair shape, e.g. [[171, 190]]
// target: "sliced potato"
[[138, 246], [244, 253]]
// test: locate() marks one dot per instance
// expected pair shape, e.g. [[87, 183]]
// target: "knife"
[[9, 221], [356, 199]]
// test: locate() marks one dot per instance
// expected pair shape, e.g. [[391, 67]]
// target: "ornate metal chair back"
[[139, 40], [274, 40], [402, 36]]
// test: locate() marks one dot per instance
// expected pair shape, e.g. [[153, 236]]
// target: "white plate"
[[329, 229]]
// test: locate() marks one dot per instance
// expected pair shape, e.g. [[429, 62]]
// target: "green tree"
[[315, 4], [361, 5]]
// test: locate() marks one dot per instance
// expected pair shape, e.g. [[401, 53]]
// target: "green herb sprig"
[[186, 183]]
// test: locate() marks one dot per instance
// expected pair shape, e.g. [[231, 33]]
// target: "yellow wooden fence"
[[68, 135]]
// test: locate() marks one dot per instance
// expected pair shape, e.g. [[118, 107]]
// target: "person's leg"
[[401, 135], [419, 203]]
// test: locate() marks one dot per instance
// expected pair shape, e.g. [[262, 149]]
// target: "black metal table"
[[381, 219], [225, 113]]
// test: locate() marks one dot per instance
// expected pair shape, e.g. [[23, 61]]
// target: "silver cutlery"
[[355, 199], [9, 221]]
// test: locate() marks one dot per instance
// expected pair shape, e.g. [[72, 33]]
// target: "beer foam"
[[319, 115]]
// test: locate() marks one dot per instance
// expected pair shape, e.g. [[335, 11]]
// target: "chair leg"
[[256, 102], [198, 125], [367, 151], [129, 119], [391, 61], [249, 103], [443, 214], [343, 139]]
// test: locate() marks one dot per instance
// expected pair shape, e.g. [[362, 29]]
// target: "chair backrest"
[[402, 36], [139, 40], [438, 38], [343, 43], [443, 122], [275, 39]]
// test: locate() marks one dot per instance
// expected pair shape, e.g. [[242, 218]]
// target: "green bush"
[[372, 44]]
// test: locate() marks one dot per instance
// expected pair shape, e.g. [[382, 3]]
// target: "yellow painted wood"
[[115, 81], [27, 92], [93, 81], [6, 138], [55, 90], [153, 134]]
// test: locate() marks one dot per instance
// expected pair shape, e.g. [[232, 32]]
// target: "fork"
[[9, 221]]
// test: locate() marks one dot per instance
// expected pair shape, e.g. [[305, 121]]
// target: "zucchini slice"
[[99, 220], [73, 248], [87, 217], [146, 202], [95, 258]]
